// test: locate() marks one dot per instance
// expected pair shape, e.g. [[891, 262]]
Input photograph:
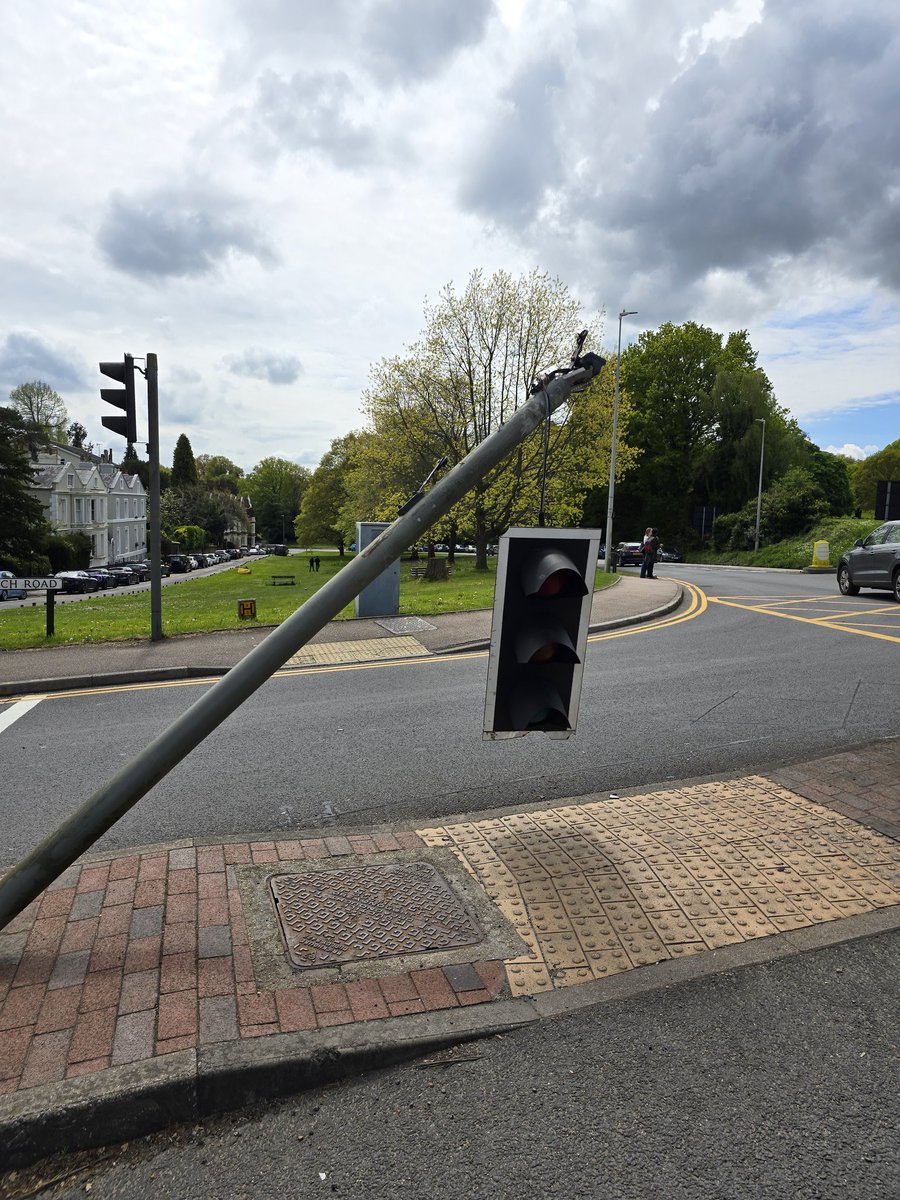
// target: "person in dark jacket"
[[649, 551]]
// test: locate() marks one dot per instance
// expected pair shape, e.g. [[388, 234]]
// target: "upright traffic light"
[[542, 610], [121, 398]]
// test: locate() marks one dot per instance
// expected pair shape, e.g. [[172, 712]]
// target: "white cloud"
[[253, 185], [852, 451]]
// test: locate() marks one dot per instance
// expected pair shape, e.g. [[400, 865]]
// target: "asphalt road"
[[773, 1082], [729, 689]]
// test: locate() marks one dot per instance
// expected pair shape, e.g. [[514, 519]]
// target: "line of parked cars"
[[181, 563]]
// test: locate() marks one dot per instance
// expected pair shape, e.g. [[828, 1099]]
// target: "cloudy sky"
[[264, 192]]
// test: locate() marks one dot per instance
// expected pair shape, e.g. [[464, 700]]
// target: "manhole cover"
[[331, 917]]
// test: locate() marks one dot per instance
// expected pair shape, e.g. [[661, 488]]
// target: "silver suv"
[[874, 562]]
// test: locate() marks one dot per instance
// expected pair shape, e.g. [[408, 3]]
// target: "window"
[[78, 510], [61, 508], [70, 481], [893, 536]]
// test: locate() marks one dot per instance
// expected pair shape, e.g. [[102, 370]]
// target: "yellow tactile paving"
[[598, 888], [320, 654]]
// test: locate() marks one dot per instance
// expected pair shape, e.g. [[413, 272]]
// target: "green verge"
[[839, 532], [208, 604]]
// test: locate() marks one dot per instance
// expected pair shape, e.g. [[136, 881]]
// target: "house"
[[87, 493]]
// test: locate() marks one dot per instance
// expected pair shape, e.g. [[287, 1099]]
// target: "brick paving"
[[145, 954], [133, 956]]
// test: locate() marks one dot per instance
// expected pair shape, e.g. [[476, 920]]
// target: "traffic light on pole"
[[542, 610], [122, 398]]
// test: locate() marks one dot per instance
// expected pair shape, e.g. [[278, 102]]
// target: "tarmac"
[[169, 982]]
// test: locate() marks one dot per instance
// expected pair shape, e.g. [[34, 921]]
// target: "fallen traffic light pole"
[[47, 861]]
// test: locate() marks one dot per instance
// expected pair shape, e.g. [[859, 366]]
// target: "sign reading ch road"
[[30, 584]]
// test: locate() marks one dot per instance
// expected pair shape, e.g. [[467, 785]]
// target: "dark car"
[[77, 581], [178, 564], [122, 575], [102, 576], [145, 569], [874, 562], [628, 554], [668, 554]]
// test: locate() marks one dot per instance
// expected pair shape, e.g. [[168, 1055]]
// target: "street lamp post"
[[608, 563], [762, 451]]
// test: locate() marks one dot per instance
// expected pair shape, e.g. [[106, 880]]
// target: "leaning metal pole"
[[24, 882]]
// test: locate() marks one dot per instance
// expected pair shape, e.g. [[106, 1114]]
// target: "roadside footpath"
[[165, 983]]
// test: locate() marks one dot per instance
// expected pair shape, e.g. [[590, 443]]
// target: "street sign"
[[31, 584]]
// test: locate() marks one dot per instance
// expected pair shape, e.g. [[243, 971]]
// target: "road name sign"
[[31, 584]]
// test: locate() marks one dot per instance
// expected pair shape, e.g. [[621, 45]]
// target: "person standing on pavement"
[[649, 551]]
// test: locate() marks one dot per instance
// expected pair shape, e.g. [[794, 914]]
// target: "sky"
[[265, 193]]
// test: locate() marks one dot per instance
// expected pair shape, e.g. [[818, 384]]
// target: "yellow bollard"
[[821, 555]]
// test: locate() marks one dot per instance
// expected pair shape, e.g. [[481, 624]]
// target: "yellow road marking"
[[819, 622]]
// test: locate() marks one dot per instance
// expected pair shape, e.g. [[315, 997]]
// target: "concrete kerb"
[[131, 1101]]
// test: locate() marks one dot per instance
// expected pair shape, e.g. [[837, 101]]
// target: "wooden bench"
[[280, 580], [417, 572]]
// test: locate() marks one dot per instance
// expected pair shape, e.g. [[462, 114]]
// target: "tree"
[[669, 376], [214, 512], [475, 364], [77, 435], [276, 487], [829, 471], [792, 504], [885, 464], [184, 469], [322, 517], [22, 524], [41, 408], [219, 472]]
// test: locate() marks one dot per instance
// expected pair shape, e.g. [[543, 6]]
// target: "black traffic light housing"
[[542, 610], [121, 398]]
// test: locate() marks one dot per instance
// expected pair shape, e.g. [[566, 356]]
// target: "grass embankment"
[[201, 605], [839, 532]]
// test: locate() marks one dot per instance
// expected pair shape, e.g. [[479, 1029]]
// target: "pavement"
[[165, 983]]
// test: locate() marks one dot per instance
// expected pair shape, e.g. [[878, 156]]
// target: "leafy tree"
[[77, 435], [42, 409], [191, 537], [475, 364], [131, 464], [215, 512], [184, 469], [23, 527], [219, 472], [829, 471], [885, 464], [669, 375], [321, 517], [792, 504], [276, 487]]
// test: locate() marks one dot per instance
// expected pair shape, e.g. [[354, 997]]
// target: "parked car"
[[178, 564], [628, 554], [146, 570], [874, 562], [11, 593], [233, 553], [202, 560], [77, 581], [193, 562], [103, 577], [668, 554], [124, 576], [141, 570]]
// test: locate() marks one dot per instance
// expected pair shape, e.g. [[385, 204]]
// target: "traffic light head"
[[542, 606], [122, 398]]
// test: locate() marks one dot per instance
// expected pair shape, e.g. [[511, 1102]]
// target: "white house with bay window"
[[84, 493]]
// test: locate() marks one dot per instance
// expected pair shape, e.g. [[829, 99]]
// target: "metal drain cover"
[[332, 917]]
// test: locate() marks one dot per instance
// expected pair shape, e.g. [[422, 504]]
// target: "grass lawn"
[[200, 605]]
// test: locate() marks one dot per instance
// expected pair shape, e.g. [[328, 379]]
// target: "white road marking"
[[14, 711]]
